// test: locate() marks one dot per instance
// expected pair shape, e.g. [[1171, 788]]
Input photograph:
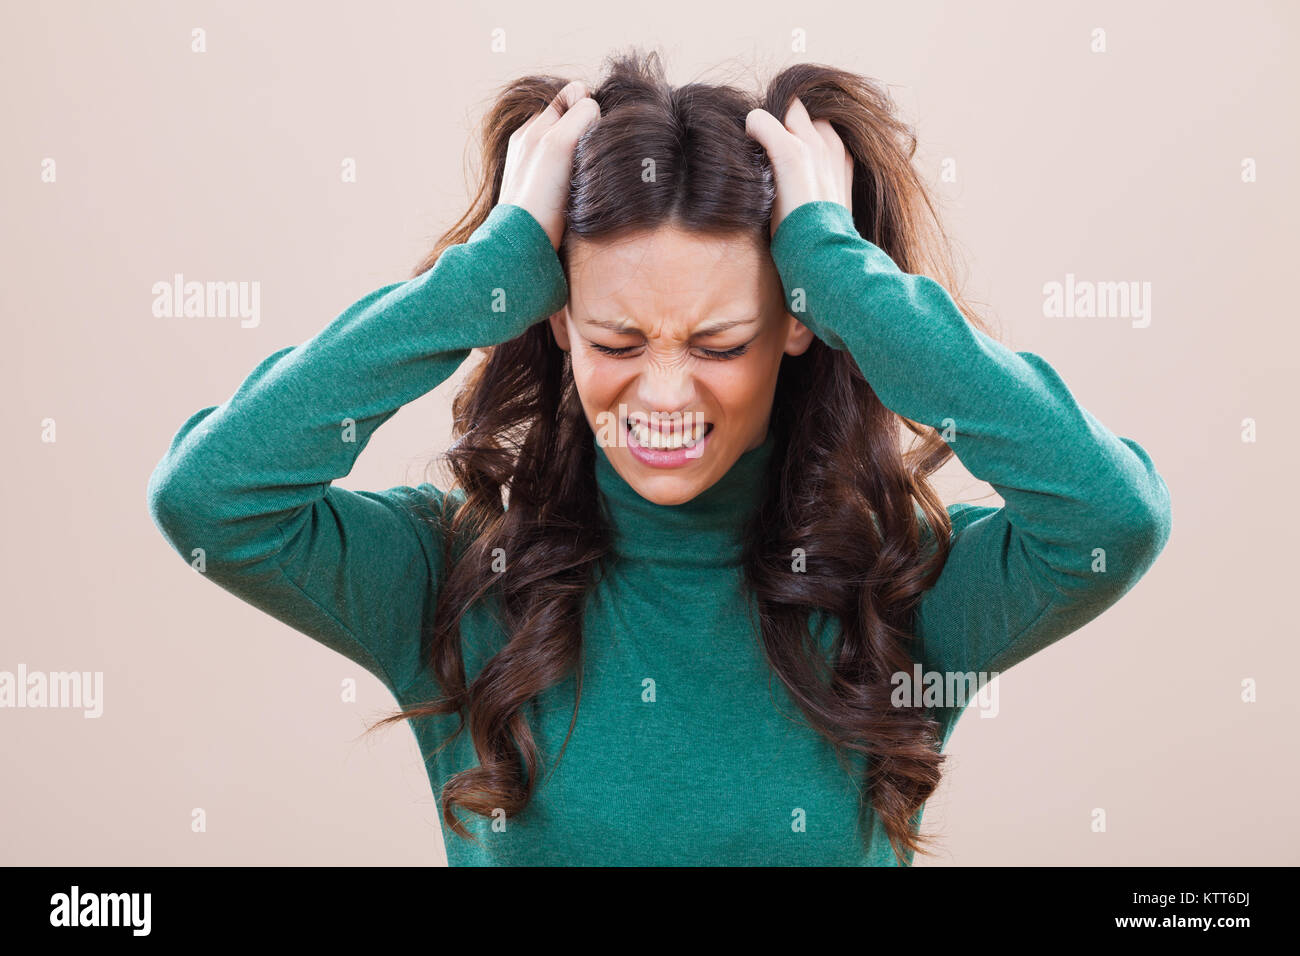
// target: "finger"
[[524, 127], [829, 137], [574, 122], [799, 123], [570, 93], [767, 129]]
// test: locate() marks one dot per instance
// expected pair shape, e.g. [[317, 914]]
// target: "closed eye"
[[611, 351], [731, 353], [713, 354]]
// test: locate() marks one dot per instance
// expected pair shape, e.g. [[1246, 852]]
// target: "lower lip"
[[666, 457]]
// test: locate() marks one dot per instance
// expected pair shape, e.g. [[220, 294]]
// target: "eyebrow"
[[625, 328]]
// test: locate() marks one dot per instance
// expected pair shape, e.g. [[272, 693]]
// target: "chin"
[[666, 489], [676, 498]]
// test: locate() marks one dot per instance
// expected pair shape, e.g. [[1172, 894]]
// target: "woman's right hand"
[[539, 159]]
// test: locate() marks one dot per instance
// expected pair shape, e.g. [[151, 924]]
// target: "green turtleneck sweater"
[[686, 749]]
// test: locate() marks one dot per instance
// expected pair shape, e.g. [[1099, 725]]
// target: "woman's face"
[[676, 339]]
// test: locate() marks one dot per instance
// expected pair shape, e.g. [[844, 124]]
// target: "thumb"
[[770, 133], [575, 121]]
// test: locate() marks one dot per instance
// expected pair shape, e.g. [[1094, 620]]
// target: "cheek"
[[745, 384], [599, 380]]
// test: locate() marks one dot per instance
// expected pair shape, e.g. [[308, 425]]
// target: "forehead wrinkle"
[[692, 269]]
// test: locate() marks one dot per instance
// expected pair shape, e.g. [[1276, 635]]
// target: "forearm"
[[245, 470], [1069, 483]]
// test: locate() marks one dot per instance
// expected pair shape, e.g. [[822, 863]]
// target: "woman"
[[680, 639]]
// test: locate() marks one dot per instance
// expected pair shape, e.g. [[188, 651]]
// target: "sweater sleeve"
[[1085, 512], [245, 486]]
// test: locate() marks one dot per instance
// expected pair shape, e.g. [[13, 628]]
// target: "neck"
[[705, 531]]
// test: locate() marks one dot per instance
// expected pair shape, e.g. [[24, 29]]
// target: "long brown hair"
[[519, 425]]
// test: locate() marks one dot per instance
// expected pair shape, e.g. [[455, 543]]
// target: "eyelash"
[[713, 354]]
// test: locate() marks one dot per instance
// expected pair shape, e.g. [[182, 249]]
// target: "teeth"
[[653, 438]]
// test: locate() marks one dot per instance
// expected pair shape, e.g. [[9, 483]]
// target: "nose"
[[666, 387]]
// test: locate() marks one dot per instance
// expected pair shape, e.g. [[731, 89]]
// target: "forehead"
[[667, 271]]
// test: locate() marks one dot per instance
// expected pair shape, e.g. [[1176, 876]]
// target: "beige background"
[[1123, 165]]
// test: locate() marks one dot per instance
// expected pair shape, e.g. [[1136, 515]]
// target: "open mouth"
[[675, 436]]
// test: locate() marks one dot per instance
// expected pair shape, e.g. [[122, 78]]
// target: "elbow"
[[1147, 513], [207, 509], [209, 517], [1145, 531], [172, 493], [186, 505], [1159, 518], [169, 503]]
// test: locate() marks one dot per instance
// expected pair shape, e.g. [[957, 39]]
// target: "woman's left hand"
[[809, 160]]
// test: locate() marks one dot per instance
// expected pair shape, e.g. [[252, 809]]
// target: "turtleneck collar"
[[707, 530]]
